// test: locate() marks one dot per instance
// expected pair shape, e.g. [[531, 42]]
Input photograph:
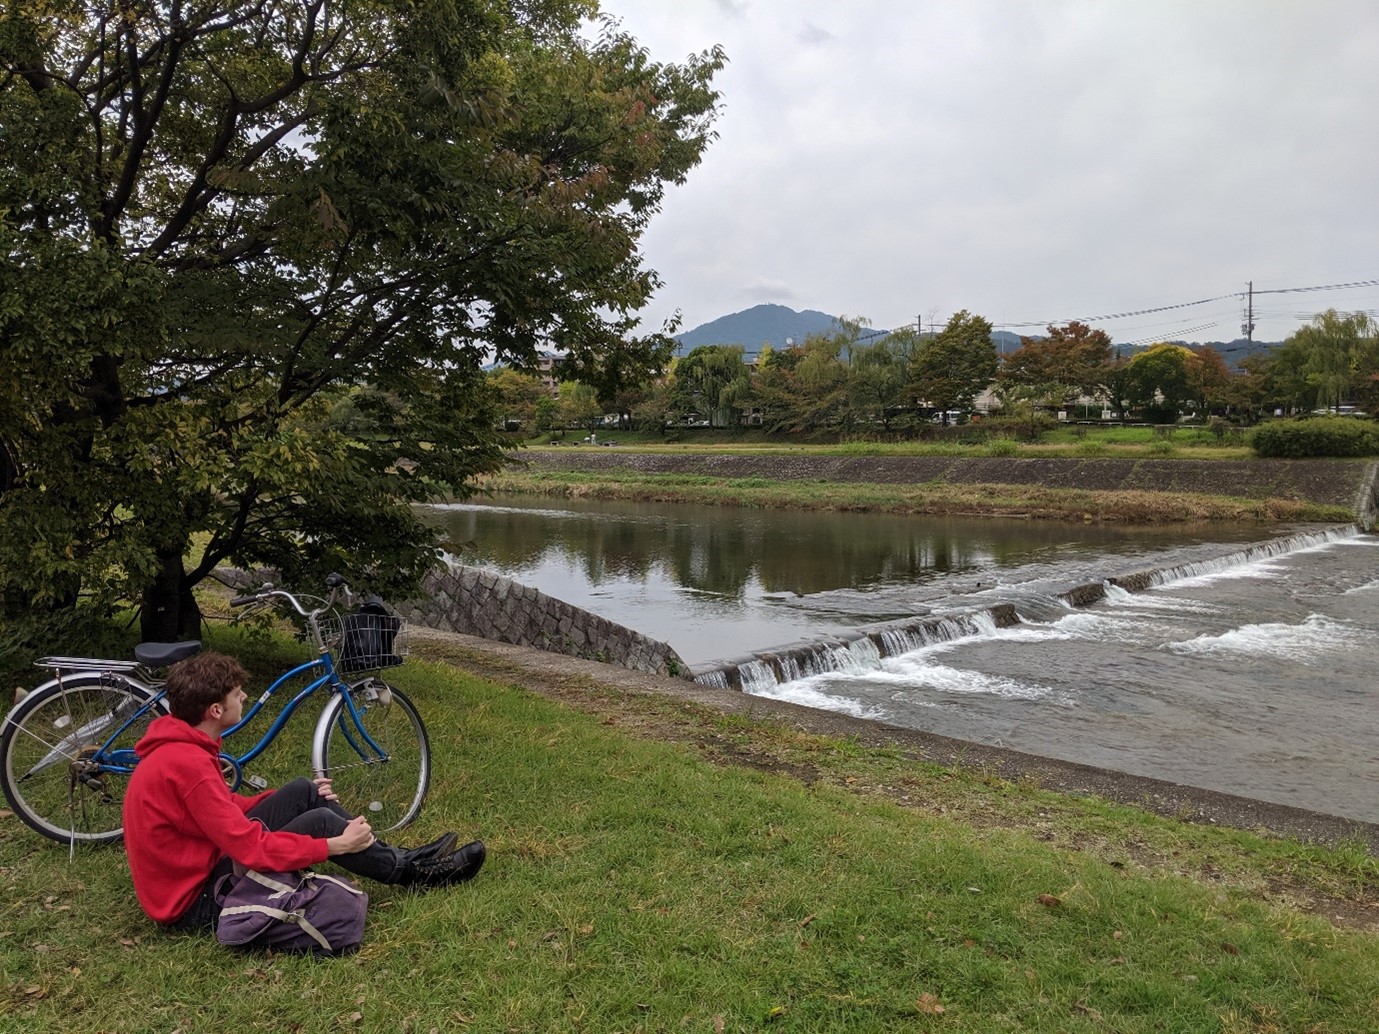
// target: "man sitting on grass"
[[184, 829]]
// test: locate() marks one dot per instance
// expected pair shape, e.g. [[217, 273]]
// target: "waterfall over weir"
[[866, 648]]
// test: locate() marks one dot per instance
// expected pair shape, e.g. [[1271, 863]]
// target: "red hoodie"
[[180, 819]]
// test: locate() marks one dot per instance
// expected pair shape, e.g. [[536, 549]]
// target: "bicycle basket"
[[368, 641]]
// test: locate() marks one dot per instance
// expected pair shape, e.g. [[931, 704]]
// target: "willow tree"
[[255, 250]]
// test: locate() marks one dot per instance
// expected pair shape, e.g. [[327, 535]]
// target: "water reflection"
[[713, 581]]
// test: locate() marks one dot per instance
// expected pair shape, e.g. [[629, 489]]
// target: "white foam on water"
[[1313, 639], [1265, 568], [808, 693], [1259, 561], [910, 672], [1155, 599], [1369, 586]]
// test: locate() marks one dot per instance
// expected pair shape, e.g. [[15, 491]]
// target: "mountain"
[[757, 326]]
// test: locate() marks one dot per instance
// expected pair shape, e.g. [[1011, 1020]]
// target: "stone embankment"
[[475, 602], [485, 604], [1330, 482]]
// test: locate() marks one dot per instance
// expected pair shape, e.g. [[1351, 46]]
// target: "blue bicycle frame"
[[124, 759]]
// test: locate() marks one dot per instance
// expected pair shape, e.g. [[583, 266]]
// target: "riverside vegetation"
[[939, 497], [660, 866]]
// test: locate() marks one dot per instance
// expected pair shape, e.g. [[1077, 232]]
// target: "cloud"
[[764, 290], [1028, 162], [812, 36]]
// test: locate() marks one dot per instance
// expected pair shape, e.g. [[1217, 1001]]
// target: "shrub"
[[1323, 436], [1002, 447], [1162, 446], [1023, 427]]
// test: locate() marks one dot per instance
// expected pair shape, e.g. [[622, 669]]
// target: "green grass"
[[633, 885], [1195, 442]]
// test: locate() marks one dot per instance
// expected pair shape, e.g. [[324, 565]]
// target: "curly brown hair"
[[198, 682]]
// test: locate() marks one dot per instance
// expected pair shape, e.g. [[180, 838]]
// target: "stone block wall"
[[485, 604]]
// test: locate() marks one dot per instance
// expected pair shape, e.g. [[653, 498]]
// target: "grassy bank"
[[934, 498], [1059, 441], [639, 884]]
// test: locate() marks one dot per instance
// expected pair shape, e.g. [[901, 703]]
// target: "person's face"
[[230, 710]]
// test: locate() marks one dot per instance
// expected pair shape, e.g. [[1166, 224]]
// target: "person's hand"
[[323, 788], [358, 836]]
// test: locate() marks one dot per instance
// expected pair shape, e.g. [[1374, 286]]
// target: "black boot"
[[438, 848], [443, 870]]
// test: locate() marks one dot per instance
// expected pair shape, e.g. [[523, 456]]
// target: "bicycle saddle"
[[160, 655]]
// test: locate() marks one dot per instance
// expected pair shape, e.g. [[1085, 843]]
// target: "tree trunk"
[[170, 612]]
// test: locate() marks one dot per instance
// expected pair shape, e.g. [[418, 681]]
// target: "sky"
[[1031, 161]]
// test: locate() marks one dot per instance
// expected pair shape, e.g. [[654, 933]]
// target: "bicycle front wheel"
[[57, 763], [385, 788]]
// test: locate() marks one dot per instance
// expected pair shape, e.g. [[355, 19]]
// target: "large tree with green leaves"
[[254, 251], [950, 369], [712, 384]]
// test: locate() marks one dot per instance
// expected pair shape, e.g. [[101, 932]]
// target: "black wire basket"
[[363, 641]]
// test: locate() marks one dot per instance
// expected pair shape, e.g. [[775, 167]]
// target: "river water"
[[1249, 675]]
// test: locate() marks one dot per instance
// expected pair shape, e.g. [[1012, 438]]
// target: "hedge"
[[1323, 436]]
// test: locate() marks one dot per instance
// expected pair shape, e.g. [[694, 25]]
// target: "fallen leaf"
[[1229, 949], [1049, 899], [807, 920], [1117, 935], [1083, 1007], [777, 1011], [356, 1017], [927, 1003], [586, 929], [719, 1024]]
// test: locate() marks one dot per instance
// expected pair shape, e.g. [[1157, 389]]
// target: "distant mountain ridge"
[[768, 324], [778, 325]]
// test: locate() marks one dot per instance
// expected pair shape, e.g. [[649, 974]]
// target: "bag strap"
[[295, 918], [278, 888], [346, 884]]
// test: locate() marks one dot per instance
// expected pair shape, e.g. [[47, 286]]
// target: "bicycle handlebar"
[[268, 592]]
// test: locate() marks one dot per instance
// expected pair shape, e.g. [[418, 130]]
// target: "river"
[[1247, 675]]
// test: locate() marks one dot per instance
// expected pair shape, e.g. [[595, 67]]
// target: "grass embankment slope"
[[1146, 481], [655, 866]]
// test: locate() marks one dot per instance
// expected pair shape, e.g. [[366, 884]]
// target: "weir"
[[866, 647]]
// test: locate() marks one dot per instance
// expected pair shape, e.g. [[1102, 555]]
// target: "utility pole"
[[1249, 325]]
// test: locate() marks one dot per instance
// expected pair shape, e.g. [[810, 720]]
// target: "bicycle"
[[67, 747]]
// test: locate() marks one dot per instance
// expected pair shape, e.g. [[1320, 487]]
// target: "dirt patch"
[[687, 713]]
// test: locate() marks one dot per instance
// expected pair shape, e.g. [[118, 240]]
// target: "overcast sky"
[[1027, 160]]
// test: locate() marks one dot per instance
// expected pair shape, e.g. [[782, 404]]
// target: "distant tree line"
[[850, 381]]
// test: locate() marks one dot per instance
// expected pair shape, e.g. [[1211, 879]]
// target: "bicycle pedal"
[[257, 782]]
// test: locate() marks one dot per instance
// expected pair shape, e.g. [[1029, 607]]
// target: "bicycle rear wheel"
[[387, 790], [54, 750]]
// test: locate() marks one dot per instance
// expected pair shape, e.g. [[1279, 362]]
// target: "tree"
[[579, 404], [950, 369], [876, 381], [517, 395], [1209, 380], [1332, 348], [711, 383], [1157, 378], [622, 377], [256, 250], [1069, 362]]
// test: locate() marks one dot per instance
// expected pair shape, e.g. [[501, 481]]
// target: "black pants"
[[296, 808]]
